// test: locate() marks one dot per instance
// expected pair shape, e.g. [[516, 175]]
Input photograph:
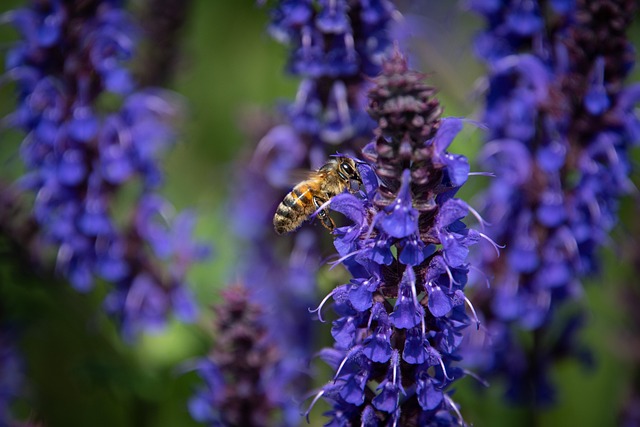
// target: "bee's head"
[[347, 169]]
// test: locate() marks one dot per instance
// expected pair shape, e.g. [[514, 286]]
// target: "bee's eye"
[[348, 169]]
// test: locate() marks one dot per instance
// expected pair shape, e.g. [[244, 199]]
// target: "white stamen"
[[318, 309], [451, 279], [453, 406], [496, 246], [371, 226], [344, 258], [489, 174], [476, 377], [569, 240], [306, 38], [262, 149], [303, 92], [313, 402], [612, 154], [370, 320], [444, 370], [594, 210], [349, 44], [481, 220], [486, 279], [473, 310], [395, 373], [349, 354], [414, 294], [544, 299]]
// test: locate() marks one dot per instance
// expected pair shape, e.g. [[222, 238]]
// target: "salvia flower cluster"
[[401, 315], [334, 46], [561, 124], [235, 392], [257, 368], [80, 155]]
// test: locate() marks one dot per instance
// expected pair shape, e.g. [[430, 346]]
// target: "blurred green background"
[[82, 374]]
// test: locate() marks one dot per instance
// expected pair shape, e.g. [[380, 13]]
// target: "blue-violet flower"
[[561, 124], [401, 316], [79, 155], [334, 46]]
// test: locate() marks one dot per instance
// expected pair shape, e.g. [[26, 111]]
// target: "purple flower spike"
[[79, 156], [404, 308], [234, 382], [560, 129], [335, 47]]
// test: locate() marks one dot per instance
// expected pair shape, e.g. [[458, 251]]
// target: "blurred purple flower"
[[334, 44], [238, 374], [560, 128], [78, 157]]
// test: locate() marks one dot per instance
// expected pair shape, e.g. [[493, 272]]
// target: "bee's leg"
[[325, 219]]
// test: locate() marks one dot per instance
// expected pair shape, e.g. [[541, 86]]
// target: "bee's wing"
[[296, 176]]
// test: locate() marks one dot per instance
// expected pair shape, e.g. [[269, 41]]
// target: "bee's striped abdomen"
[[294, 209]]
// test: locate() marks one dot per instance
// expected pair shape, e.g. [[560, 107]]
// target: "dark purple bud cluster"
[[236, 391], [561, 124], [263, 339], [11, 377], [401, 315], [80, 154]]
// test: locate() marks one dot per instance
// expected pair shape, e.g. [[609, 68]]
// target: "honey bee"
[[306, 197]]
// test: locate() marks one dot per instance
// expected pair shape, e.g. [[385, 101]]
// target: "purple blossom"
[[78, 157], [560, 128], [401, 316], [334, 46]]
